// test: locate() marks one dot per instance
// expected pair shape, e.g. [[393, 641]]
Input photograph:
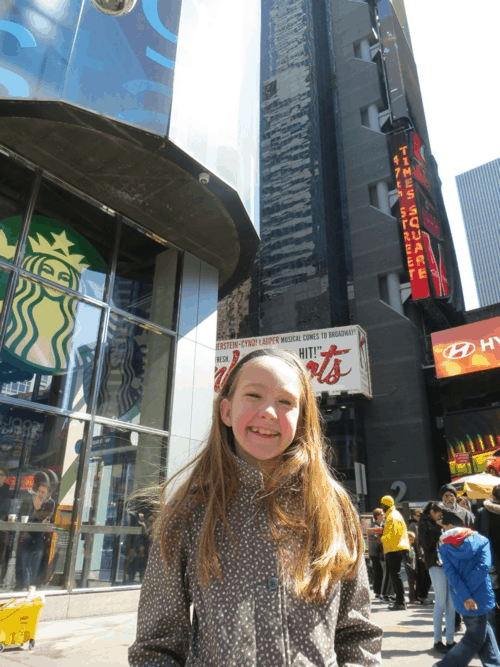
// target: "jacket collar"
[[254, 479], [248, 475], [492, 506]]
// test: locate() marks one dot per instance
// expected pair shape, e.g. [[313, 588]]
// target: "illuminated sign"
[[336, 359], [423, 241], [467, 349], [411, 225]]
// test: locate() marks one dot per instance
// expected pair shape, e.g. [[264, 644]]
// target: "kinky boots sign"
[[336, 359]]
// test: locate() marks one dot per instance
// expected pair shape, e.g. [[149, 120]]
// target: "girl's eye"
[[254, 395], [286, 402]]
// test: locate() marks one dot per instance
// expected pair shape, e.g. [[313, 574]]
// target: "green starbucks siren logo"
[[42, 321]]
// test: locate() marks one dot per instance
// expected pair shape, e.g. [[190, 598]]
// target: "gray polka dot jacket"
[[251, 618]]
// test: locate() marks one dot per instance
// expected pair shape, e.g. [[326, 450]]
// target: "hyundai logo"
[[459, 350]]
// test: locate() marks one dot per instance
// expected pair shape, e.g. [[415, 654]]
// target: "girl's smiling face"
[[264, 409]]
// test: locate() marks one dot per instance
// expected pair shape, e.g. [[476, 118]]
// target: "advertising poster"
[[473, 442], [336, 359], [468, 349]]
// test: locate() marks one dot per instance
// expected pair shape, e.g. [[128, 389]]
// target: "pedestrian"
[[487, 523], [396, 546], [259, 538], [466, 557], [410, 562], [463, 501], [423, 579], [448, 496], [429, 534], [375, 550]]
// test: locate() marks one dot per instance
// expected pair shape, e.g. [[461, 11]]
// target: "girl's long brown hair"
[[327, 526]]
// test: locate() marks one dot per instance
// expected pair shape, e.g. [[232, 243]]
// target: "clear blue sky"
[[455, 43]]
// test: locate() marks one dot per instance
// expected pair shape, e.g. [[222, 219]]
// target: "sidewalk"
[[103, 641], [408, 636]]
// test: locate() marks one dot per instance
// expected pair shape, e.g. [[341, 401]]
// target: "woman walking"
[[429, 535]]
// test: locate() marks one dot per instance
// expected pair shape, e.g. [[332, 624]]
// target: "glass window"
[[145, 277], [70, 241], [133, 383], [114, 543], [15, 186], [38, 469], [49, 350]]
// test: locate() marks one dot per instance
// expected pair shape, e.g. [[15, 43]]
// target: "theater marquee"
[[468, 349], [336, 359]]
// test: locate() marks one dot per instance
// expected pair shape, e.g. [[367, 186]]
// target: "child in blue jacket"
[[466, 557]]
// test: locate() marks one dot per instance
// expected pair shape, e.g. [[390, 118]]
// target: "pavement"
[[100, 641]]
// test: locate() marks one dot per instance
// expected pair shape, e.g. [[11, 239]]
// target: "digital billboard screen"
[[467, 349]]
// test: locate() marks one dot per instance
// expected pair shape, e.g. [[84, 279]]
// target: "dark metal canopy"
[[143, 176]]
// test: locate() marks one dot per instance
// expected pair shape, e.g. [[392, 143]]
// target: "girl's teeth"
[[263, 431]]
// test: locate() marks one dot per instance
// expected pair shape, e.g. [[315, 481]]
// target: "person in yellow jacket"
[[396, 546]]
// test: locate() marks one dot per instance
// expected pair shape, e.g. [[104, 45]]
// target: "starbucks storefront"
[[107, 339]]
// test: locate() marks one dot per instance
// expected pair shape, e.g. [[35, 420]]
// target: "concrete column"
[[364, 47], [383, 197], [394, 291], [373, 117]]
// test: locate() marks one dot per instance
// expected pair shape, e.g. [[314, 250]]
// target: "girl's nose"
[[270, 411]]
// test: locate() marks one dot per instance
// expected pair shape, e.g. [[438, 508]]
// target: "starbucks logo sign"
[[42, 322]]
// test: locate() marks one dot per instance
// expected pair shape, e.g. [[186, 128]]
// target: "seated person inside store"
[[466, 558], [39, 507], [5, 504]]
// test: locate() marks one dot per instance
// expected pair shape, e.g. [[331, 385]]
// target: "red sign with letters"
[[411, 225], [419, 217]]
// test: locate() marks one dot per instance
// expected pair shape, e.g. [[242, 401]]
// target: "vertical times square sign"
[[422, 235]]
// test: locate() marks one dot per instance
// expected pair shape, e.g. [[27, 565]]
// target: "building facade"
[[479, 193], [127, 206], [340, 97]]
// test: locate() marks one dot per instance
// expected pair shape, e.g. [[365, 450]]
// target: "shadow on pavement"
[[395, 653]]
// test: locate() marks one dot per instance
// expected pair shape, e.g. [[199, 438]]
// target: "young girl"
[[260, 539]]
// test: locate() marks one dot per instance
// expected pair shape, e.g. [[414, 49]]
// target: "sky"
[[455, 44]]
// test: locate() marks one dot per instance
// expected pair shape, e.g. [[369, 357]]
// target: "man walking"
[[448, 495], [396, 546], [466, 557]]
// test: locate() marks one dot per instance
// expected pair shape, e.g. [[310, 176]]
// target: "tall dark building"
[[353, 225]]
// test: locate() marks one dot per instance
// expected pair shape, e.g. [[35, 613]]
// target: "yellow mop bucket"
[[19, 621]]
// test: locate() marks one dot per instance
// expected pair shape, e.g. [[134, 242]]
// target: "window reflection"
[[145, 277], [15, 186], [120, 462], [38, 466], [49, 348], [70, 241], [133, 385]]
